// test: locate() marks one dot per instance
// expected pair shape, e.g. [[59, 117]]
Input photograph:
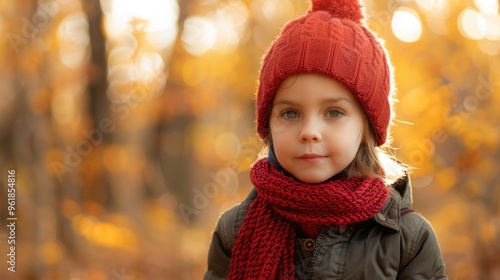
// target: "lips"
[[311, 157]]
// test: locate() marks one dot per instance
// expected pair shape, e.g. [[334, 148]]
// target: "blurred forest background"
[[130, 126]]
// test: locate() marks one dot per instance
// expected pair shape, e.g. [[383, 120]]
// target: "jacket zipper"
[[315, 253]]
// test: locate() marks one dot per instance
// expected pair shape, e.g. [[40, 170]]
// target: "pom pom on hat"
[[348, 9]]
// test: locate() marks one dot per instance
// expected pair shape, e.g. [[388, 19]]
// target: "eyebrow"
[[329, 100]]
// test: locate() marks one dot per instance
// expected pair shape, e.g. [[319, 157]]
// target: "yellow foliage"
[[51, 253], [446, 178]]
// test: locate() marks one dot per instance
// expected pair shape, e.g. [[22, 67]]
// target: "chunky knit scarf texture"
[[264, 248]]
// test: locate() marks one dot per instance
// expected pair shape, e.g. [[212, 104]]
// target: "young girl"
[[324, 206]]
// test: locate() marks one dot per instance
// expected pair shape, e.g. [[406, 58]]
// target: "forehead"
[[311, 87]]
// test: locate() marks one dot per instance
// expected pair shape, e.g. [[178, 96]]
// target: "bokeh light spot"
[[199, 35], [487, 6], [472, 25], [160, 15], [227, 146], [416, 101], [73, 38], [230, 21], [446, 178], [274, 11], [427, 5], [406, 25], [148, 66]]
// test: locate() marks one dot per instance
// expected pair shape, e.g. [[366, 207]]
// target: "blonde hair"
[[372, 161]]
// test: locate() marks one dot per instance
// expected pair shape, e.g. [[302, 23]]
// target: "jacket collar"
[[400, 198]]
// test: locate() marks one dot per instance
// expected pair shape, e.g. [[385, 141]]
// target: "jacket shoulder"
[[414, 227], [223, 239], [420, 247], [232, 219]]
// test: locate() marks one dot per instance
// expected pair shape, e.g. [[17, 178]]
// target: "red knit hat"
[[333, 40]]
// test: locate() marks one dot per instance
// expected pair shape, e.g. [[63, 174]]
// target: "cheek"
[[345, 147], [279, 138], [277, 126], [348, 141], [282, 149]]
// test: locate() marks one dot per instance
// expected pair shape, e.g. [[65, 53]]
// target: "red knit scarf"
[[264, 248]]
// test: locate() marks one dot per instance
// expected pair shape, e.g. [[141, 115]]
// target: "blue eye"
[[288, 114], [334, 113]]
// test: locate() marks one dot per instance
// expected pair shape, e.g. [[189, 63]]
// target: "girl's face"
[[316, 127]]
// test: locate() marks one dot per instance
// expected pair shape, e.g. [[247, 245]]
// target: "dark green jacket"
[[395, 244]]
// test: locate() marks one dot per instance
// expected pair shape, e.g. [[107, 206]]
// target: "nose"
[[310, 131]]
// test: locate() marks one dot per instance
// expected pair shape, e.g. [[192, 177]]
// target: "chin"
[[313, 180]]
